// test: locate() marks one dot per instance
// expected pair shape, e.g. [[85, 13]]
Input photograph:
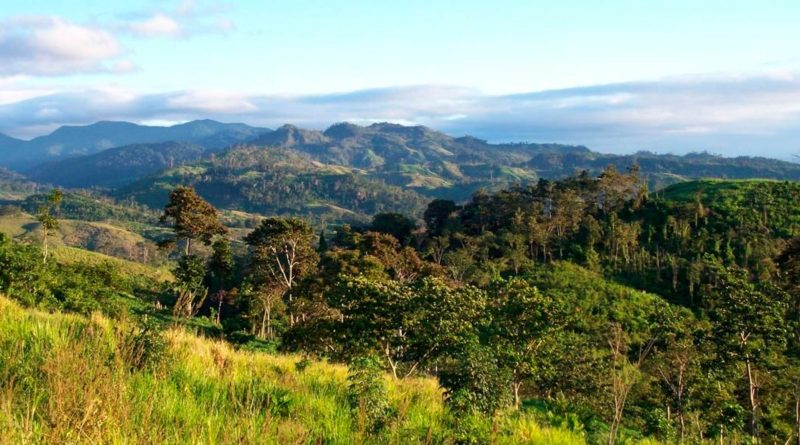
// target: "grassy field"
[[68, 379], [103, 237]]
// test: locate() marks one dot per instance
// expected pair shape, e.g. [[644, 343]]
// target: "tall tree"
[[523, 321], [192, 217], [47, 220], [220, 269], [282, 253], [395, 224], [749, 324]]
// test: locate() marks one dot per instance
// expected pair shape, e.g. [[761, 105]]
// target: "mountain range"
[[73, 141], [346, 170]]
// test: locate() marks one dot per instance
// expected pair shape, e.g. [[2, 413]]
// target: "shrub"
[[475, 383], [143, 346], [367, 394]]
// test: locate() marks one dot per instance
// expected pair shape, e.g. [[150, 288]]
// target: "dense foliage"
[[596, 305], [278, 182]]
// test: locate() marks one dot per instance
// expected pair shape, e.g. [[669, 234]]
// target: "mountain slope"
[[116, 166], [278, 181], [71, 141], [416, 158], [14, 186]]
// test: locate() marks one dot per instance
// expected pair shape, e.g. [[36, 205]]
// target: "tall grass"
[[63, 379]]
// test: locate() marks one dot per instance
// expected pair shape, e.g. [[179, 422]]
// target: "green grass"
[[711, 189], [74, 255], [63, 380]]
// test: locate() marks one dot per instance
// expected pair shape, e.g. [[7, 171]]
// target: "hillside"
[[422, 158], [116, 166], [663, 170], [101, 237], [563, 310], [278, 182], [72, 141], [197, 391], [760, 204], [14, 186]]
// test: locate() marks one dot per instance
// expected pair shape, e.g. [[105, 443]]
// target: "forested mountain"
[[116, 166], [417, 158], [7, 142], [72, 141], [280, 182]]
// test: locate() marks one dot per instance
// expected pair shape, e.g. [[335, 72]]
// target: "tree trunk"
[[262, 334], [44, 246], [517, 400], [797, 418], [753, 402]]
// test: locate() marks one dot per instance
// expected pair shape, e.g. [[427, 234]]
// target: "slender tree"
[[47, 219]]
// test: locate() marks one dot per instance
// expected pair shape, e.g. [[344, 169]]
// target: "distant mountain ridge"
[[73, 141], [116, 166], [413, 158]]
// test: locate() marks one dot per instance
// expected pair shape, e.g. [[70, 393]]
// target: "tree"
[[192, 217], [438, 216], [408, 324], [624, 373], [678, 368], [266, 304], [367, 394], [322, 244], [220, 269], [523, 320], [47, 220], [395, 224], [402, 262], [282, 253], [189, 275], [475, 381], [749, 324]]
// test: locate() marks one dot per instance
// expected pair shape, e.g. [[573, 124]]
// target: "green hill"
[[771, 204], [279, 182]]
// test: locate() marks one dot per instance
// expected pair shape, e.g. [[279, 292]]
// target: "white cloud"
[[186, 19], [759, 115], [157, 25], [211, 102], [50, 46]]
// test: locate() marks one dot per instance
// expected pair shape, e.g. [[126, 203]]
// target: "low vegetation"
[[73, 379]]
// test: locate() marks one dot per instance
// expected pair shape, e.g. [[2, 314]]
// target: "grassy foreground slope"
[[67, 379]]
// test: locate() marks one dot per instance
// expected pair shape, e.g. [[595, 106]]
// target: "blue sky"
[[614, 75]]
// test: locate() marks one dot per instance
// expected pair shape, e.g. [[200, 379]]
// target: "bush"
[[23, 275], [143, 346], [475, 383], [367, 394]]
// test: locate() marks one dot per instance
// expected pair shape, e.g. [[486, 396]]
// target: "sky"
[[615, 75]]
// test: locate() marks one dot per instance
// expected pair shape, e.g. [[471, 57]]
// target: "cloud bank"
[[51, 46], [752, 115]]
